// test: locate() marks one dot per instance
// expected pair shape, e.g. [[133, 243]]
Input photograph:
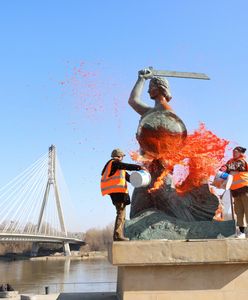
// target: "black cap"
[[240, 149]]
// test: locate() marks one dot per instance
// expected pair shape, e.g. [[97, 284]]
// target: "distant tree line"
[[15, 247], [98, 239]]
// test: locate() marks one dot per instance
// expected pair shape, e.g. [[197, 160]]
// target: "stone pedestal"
[[181, 270]]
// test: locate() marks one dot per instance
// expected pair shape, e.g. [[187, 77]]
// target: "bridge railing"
[[13, 230]]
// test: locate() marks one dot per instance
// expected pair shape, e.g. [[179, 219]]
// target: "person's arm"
[[135, 97], [123, 166]]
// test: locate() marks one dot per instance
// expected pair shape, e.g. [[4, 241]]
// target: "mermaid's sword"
[[165, 73]]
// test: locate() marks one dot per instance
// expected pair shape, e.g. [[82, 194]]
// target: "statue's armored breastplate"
[[159, 130]]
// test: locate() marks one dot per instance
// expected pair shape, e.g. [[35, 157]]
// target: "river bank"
[[76, 255]]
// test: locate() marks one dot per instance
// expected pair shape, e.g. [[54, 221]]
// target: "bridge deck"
[[20, 237]]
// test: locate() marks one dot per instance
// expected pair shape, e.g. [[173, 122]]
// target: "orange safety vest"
[[240, 179], [113, 184]]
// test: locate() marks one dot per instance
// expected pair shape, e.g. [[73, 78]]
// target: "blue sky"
[[44, 102]]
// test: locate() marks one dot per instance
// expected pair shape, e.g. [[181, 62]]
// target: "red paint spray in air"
[[84, 87], [92, 90]]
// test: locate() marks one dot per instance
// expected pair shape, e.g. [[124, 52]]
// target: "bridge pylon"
[[51, 182]]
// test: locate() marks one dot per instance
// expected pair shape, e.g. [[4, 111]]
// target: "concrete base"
[[13, 295], [42, 297], [181, 270]]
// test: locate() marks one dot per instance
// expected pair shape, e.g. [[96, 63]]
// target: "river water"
[[32, 276]]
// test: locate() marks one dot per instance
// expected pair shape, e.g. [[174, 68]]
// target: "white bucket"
[[223, 180], [140, 178], [227, 203]]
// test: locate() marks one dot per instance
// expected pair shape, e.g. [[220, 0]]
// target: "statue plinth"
[[181, 270], [155, 224]]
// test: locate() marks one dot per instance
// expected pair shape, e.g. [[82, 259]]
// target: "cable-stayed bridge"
[[31, 205]]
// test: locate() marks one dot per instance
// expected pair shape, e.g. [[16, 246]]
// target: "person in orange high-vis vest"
[[114, 183], [238, 168]]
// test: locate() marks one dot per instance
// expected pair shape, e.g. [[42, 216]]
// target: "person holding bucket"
[[238, 168], [114, 183]]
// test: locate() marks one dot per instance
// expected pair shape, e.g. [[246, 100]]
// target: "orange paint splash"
[[198, 156]]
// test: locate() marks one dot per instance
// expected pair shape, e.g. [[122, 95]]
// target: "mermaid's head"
[[159, 85]]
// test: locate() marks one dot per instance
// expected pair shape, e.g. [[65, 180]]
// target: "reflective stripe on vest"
[[115, 183], [240, 179]]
